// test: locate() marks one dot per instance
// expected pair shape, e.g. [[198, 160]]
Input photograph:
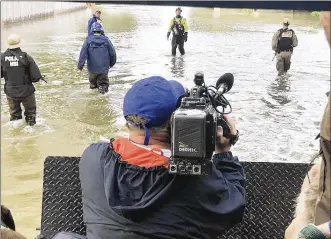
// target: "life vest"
[[285, 40], [178, 28]]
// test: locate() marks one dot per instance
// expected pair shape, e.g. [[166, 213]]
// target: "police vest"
[[16, 73], [285, 40], [178, 28]]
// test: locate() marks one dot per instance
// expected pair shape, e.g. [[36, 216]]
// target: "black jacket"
[[19, 74], [122, 200]]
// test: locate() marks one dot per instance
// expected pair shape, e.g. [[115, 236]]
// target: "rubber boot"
[[92, 86], [31, 120], [103, 89], [12, 118]]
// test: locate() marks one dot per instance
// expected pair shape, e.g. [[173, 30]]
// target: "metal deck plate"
[[271, 191]]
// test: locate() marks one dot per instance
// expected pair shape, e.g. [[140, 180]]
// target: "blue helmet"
[[97, 27]]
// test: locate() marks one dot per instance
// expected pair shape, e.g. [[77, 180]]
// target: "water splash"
[[15, 123], [57, 82], [27, 132]]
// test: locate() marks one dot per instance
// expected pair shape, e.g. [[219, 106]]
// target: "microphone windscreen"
[[226, 79]]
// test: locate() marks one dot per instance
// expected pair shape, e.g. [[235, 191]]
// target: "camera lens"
[[173, 168]]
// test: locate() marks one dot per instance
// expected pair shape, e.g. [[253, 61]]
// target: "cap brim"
[[14, 46]]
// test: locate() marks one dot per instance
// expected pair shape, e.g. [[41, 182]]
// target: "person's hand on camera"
[[223, 144]]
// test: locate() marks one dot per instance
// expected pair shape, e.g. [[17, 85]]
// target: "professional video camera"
[[194, 126]]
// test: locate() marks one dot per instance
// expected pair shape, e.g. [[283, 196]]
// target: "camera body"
[[194, 132]]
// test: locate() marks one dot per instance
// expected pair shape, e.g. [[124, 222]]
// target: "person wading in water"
[[179, 28]]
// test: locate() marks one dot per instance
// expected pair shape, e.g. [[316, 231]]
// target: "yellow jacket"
[[181, 21]]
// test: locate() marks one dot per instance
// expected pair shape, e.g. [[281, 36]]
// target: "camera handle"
[[221, 121]]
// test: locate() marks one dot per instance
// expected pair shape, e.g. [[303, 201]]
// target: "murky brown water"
[[278, 118]]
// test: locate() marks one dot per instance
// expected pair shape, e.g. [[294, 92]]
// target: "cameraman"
[[126, 188]]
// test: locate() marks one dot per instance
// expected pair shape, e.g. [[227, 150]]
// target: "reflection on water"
[[178, 66], [278, 117], [279, 90]]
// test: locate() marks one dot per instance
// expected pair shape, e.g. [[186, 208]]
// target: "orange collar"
[[142, 157]]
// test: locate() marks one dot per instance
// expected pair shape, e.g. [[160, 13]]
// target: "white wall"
[[18, 10]]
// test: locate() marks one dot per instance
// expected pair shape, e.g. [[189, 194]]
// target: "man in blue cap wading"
[[100, 55]]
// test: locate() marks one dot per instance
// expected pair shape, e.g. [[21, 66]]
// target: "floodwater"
[[278, 118]]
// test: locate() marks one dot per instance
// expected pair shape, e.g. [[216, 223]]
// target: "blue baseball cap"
[[96, 27], [154, 99], [178, 88]]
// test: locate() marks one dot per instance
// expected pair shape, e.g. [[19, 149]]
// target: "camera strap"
[[146, 135]]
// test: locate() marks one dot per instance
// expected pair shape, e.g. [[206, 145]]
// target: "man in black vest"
[[20, 71], [283, 42]]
